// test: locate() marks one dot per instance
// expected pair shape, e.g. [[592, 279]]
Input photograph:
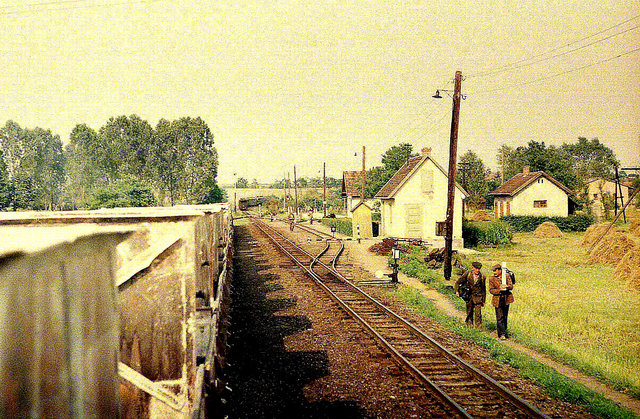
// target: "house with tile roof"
[[598, 190], [532, 193], [351, 189], [414, 203]]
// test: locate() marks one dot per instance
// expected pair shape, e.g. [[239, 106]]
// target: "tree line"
[[126, 162]]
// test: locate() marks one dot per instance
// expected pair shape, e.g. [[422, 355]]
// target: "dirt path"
[[373, 263]]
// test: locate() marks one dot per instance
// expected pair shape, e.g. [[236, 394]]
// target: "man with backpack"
[[471, 287]]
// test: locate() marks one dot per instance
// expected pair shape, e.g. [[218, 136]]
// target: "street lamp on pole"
[[453, 149]]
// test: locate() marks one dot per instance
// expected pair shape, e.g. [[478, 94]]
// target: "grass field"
[[571, 309]]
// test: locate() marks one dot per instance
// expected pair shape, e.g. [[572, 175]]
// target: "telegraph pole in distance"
[[295, 188], [453, 150], [364, 173], [324, 188]]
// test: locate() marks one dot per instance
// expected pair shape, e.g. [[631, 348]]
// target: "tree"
[[127, 141], [255, 184], [85, 158], [242, 183], [126, 192], [392, 160], [591, 159], [5, 184], [473, 178], [35, 166]]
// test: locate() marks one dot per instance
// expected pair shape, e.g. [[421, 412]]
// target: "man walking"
[[477, 283], [500, 287]]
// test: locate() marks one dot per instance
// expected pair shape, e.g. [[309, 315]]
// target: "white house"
[[596, 188], [532, 193], [414, 203]]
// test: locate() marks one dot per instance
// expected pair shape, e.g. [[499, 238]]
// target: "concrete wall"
[[422, 198]]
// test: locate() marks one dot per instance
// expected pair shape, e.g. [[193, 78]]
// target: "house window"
[[595, 196], [427, 181], [540, 180], [540, 204], [441, 228]]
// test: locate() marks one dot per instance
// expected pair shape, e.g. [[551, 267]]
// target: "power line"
[[79, 5], [558, 74], [515, 65]]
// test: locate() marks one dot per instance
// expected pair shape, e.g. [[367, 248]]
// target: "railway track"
[[465, 390]]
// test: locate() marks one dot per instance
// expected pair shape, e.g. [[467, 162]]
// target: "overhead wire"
[[571, 70], [515, 64], [79, 4]]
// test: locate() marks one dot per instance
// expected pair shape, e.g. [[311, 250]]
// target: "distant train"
[[246, 203]]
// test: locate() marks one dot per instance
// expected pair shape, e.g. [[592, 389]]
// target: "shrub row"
[[487, 233], [574, 222], [343, 226]]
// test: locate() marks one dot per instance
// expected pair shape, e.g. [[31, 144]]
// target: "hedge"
[[343, 226], [524, 223], [486, 232]]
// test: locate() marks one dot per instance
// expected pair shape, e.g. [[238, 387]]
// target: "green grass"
[[555, 383], [573, 310]]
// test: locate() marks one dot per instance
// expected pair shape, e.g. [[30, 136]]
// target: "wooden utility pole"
[[295, 188], [453, 151], [364, 174], [324, 189]]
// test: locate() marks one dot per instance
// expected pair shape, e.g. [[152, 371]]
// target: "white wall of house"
[[418, 205], [595, 190], [541, 198]]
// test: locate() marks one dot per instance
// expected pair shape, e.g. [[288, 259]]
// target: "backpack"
[[464, 290], [513, 276]]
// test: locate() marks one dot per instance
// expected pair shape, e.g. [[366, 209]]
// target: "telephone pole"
[[295, 188], [364, 173], [324, 189], [453, 151]]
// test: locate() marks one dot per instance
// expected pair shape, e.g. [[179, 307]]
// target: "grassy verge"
[[556, 384], [565, 306]]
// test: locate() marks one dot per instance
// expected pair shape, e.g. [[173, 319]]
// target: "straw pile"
[[612, 248], [593, 233], [547, 229], [481, 215], [628, 269], [634, 229]]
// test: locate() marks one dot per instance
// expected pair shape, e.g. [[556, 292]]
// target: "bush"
[[486, 233], [343, 226], [574, 222], [124, 193]]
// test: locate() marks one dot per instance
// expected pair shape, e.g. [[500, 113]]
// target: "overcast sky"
[[289, 82]]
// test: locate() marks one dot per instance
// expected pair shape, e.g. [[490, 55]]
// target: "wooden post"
[[453, 150], [324, 189], [364, 173], [295, 188]]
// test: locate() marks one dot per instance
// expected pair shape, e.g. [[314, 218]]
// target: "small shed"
[[351, 189], [532, 193], [361, 221]]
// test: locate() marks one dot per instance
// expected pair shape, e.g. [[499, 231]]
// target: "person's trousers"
[[502, 311], [474, 314]]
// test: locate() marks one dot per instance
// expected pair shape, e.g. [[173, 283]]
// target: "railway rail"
[[465, 390]]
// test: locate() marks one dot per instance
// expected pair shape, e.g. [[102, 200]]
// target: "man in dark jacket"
[[501, 289], [477, 282]]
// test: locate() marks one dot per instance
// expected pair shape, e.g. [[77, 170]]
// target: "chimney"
[[426, 151], [525, 170]]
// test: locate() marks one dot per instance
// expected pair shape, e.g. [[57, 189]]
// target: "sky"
[[283, 83]]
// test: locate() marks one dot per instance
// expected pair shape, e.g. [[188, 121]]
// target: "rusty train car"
[[114, 313]]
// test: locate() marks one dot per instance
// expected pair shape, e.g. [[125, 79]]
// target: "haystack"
[[546, 230], [593, 233], [628, 269], [612, 248], [634, 229], [481, 215]]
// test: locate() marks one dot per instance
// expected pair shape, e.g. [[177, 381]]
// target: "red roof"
[[402, 174], [398, 177], [520, 181], [352, 183]]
